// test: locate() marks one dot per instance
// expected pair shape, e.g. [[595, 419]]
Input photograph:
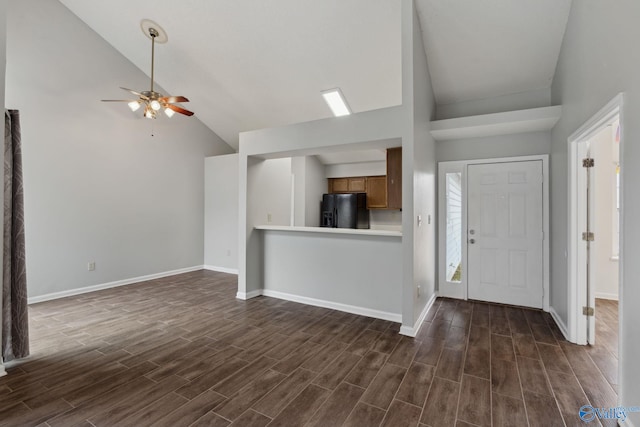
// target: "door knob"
[[472, 232], [472, 241]]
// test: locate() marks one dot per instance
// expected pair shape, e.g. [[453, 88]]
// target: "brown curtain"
[[15, 321]]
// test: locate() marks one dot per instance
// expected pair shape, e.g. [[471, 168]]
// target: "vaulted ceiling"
[[251, 64]]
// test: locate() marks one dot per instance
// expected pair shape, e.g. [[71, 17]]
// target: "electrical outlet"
[[418, 289], [269, 218], [228, 252], [91, 266]]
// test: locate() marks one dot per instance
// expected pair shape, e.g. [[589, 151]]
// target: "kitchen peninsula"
[[358, 271]]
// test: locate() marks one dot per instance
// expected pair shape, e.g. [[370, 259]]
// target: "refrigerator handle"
[[335, 217]]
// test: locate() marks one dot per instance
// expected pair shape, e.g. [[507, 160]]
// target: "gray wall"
[[3, 60], [359, 271], [310, 184], [315, 187], [600, 58], [345, 170], [523, 144], [605, 269], [512, 102], [357, 132], [98, 186], [270, 193], [221, 212], [418, 156], [3, 47]]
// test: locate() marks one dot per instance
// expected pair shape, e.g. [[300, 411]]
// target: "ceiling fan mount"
[[151, 100]]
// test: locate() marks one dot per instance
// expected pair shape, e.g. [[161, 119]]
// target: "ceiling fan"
[[151, 100]]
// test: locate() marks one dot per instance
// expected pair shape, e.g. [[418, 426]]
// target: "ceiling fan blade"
[[134, 92], [173, 99], [180, 110], [119, 100]]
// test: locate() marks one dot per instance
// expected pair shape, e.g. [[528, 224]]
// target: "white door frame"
[[460, 291], [577, 322]]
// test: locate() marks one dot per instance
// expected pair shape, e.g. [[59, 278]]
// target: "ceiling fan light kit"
[[151, 100]]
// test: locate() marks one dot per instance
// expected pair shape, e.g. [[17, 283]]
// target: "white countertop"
[[362, 232]]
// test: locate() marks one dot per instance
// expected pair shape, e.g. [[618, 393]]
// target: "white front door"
[[505, 233]]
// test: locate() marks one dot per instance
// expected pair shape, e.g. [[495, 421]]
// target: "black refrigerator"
[[344, 211]]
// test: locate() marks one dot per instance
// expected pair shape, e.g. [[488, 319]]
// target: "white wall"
[[309, 186], [359, 131], [419, 180], [315, 187], [3, 58], [357, 271], [605, 268], [298, 172], [345, 170], [3, 49], [362, 131], [265, 189], [271, 192], [98, 186], [599, 58], [523, 144], [499, 104], [385, 219], [221, 212]]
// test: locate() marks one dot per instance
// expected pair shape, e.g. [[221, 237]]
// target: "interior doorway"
[[596, 227]]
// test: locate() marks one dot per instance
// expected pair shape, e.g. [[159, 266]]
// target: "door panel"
[[505, 220]]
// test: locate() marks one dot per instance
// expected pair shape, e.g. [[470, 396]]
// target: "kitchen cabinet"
[[338, 185], [377, 192], [384, 191], [356, 184], [394, 178]]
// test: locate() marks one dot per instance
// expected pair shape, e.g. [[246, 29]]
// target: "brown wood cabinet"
[[394, 178], [383, 192], [338, 185], [377, 192], [356, 184]]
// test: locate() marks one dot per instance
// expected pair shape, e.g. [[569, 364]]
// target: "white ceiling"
[[251, 64], [488, 48]]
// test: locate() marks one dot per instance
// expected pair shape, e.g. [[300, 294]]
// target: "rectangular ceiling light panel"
[[335, 100]]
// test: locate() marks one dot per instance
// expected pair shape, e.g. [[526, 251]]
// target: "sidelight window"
[[453, 226]]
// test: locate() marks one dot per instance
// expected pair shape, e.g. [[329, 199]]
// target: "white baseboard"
[[362, 311], [248, 295], [606, 295], [412, 331], [117, 283], [563, 328], [221, 269]]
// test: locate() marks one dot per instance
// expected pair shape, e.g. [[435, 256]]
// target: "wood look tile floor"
[[182, 351]]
